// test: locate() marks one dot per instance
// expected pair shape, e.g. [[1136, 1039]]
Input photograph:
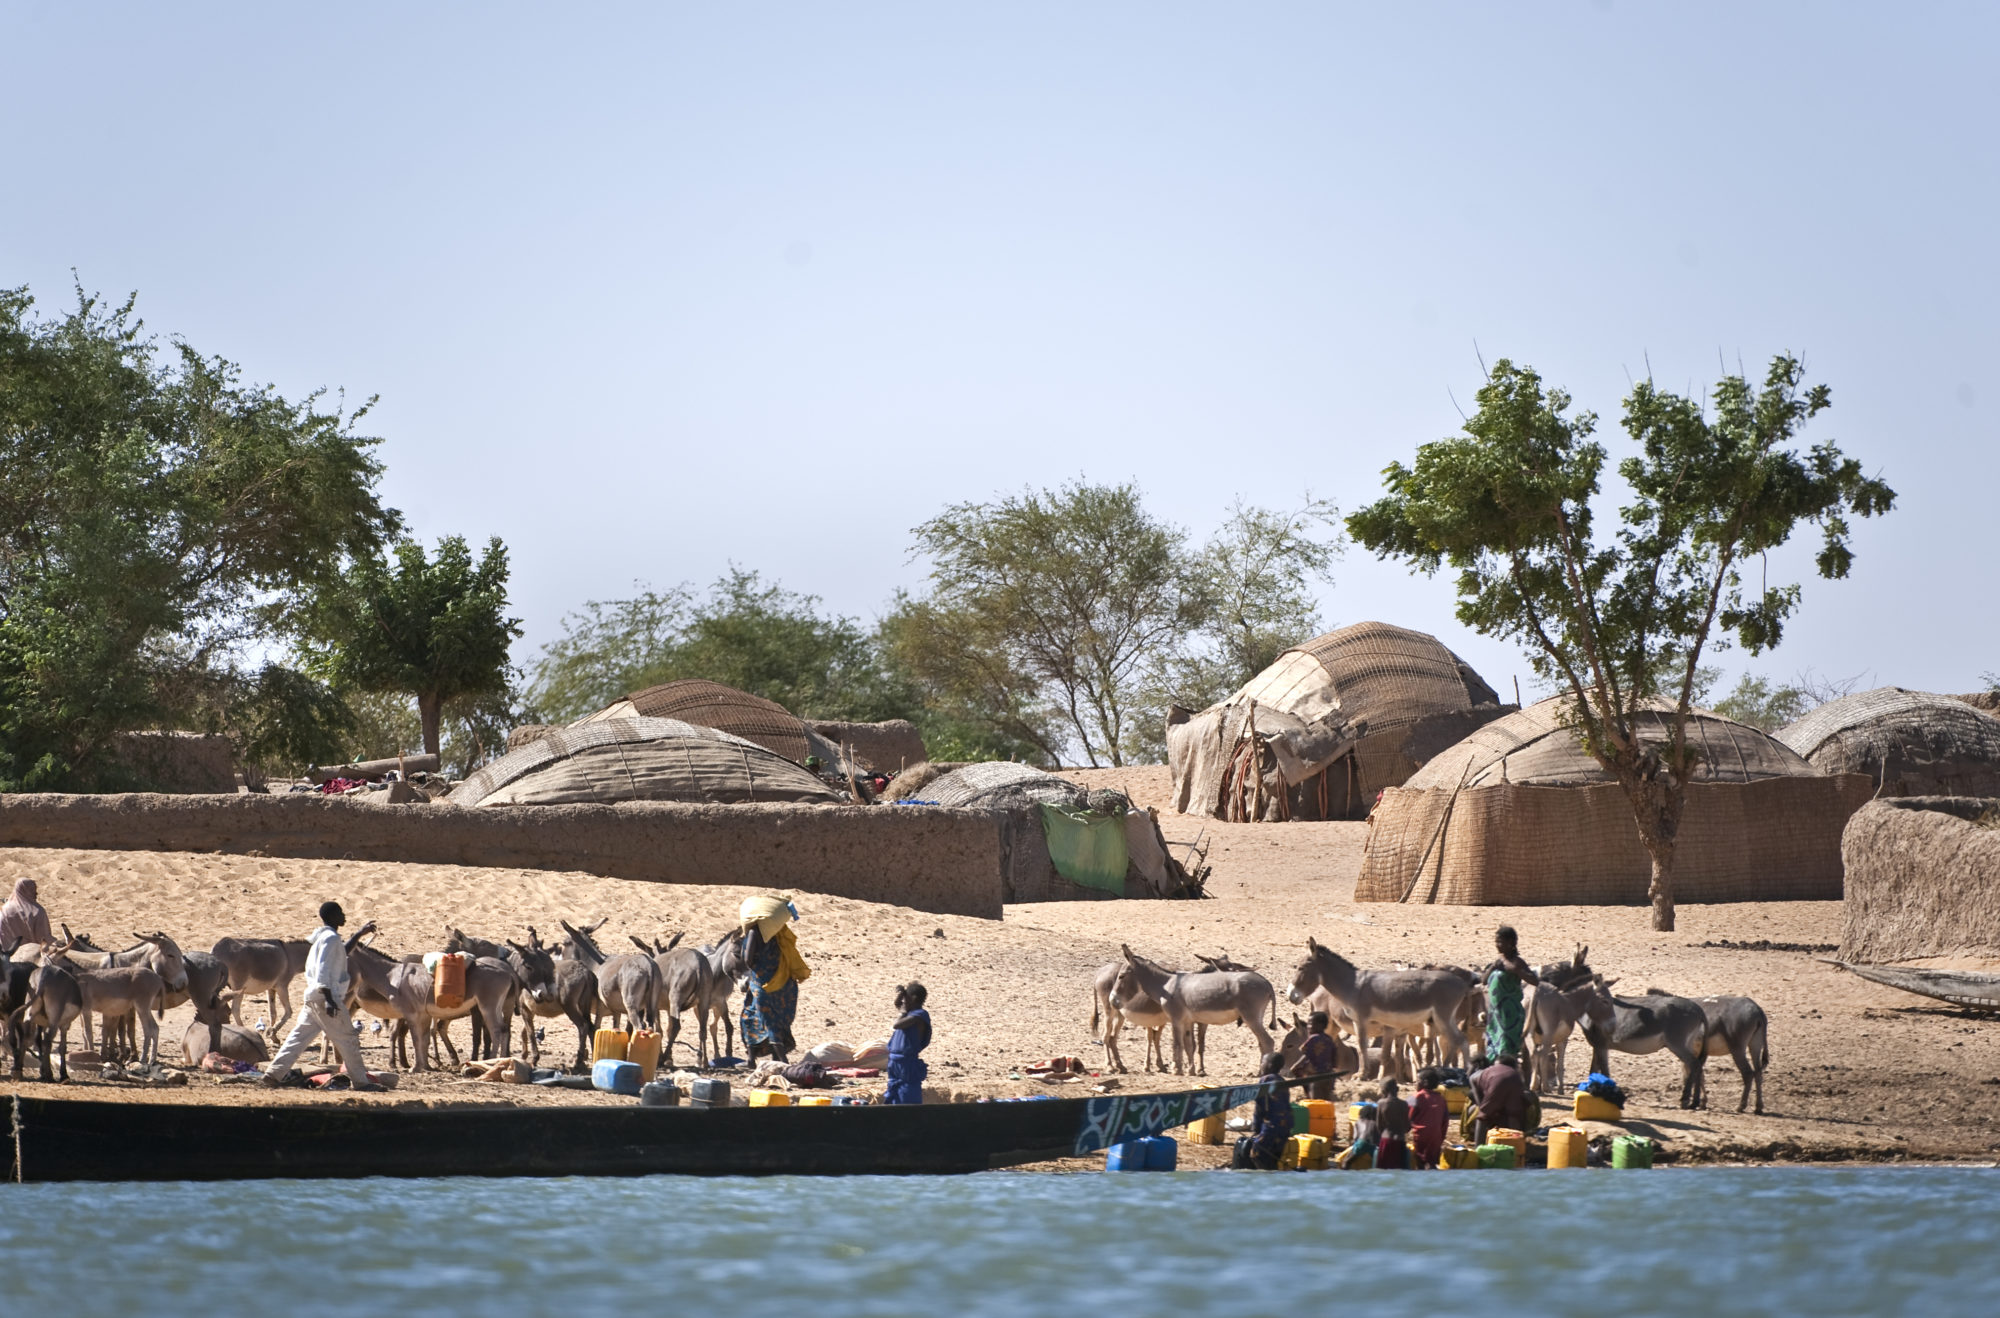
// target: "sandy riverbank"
[[1858, 1071]]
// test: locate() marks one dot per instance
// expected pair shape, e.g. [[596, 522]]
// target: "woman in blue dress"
[[911, 1035]]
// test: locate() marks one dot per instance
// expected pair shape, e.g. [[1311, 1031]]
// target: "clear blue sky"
[[648, 290]]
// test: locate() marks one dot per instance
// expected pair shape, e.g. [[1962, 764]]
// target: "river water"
[[1699, 1241]]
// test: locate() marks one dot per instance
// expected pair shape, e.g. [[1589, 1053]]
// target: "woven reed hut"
[[640, 759], [1909, 743], [1059, 841], [724, 708], [1518, 814], [1329, 725], [1923, 879]]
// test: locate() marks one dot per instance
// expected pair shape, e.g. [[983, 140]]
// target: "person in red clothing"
[[1429, 1115]]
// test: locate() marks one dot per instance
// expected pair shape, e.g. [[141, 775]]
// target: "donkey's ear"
[[1312, 944]]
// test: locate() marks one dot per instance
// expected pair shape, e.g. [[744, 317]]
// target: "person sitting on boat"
[[1271, 1117], [325, 1010], [22, 919], [771, 998], [910, 1036]]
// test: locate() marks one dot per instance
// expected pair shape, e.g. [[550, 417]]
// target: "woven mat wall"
[[1777, 839]]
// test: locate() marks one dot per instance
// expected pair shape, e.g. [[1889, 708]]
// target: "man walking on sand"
[[325, 1008]]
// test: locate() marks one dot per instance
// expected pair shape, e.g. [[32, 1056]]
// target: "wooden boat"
[[1964, 987], [56, 1139]]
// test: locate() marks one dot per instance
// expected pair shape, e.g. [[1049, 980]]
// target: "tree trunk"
[[429, 709], [1661, 890]]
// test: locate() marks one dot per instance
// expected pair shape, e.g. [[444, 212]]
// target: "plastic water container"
[[1568, 1147], [1496, 1155], [448, 981], [660, 1093], [1208, 1130], [1514, 1139], [615, 1077], [1632, 1151], [814, 1100], [770, 1098], [1458, 1157], [1456, 1099], [1305, 1153], [709, 1093], [1155, 1153], [1301, 1120], [1320, 1117], [609, 1045], [643, 1051], [1589, 1107]]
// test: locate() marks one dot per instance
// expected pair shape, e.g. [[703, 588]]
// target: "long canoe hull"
[[57, 1139]]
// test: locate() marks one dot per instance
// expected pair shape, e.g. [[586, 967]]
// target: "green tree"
[[764, 639], [1062, 595], [1619, 621], [435, 628], [1755, 701], [157, 515]]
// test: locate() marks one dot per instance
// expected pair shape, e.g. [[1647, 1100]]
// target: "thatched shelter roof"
[[1518, 814], [1334, 721], [713, 705], [1911, 743], [639, 759], [1535, 747], [999, 784]]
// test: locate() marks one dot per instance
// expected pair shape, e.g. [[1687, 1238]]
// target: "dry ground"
[[1858, 1071]]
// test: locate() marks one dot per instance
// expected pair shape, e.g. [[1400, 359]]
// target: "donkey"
[[156, 952], [558, 988], [1737, 1027], [392, 990], [1115, 1013], [691, 979], [1646, 1024], [113, 992], [627, 984], [263, 965], [1205, 998], [456, 940], [16, 988], [1405, 1000], [210, 1032], [55, 1000], [1553, 1015]]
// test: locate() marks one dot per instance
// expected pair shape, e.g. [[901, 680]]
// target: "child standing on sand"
[[911, 1035]]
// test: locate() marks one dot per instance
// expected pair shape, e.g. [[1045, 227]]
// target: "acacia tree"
[[1064, 592], [432, 628], [1619, 622]]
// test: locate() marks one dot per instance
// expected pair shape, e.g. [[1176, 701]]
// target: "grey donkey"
[[1405, 1000], [1645, 1024], [1737, 1028], [1201, 998]]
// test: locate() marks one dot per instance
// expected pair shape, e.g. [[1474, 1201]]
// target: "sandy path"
[[1858, 1070]]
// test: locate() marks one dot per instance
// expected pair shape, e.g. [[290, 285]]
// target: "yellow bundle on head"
[[769, 911]]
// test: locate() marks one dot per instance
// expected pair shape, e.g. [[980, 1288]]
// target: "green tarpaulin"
[[1087, 848]]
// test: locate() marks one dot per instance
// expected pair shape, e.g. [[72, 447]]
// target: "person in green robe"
[[1506, 1018]]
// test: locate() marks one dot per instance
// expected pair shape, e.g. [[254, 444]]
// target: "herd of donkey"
[[1408, 1016]]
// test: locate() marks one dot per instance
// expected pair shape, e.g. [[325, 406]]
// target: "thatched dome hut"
[[1923, 879], [1909, 743], [1329, 725], [712, 705], [1518, 814], [639, 759]]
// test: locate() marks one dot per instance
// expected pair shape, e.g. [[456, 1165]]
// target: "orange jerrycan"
[[608, 1045], [644, 1050], [448, 983]]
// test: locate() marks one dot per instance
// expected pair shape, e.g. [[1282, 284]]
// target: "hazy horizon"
[[647, 294]]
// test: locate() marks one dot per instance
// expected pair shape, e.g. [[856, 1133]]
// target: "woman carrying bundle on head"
[[774, 969]]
